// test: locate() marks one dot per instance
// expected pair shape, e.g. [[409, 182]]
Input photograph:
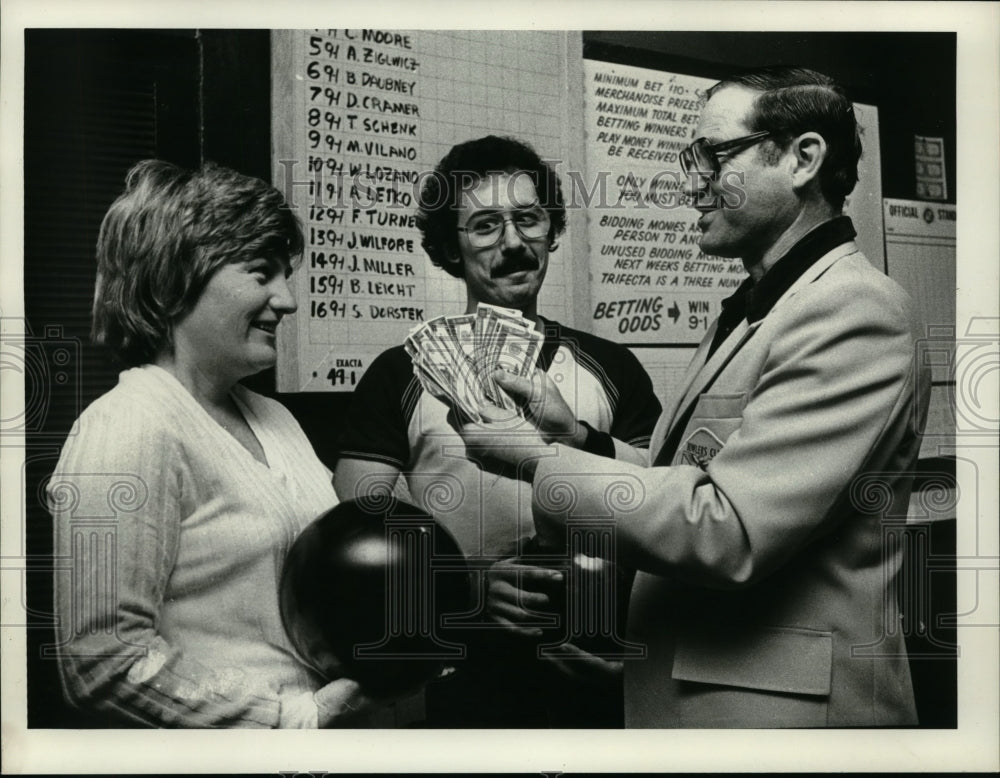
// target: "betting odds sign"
[[650, 283]]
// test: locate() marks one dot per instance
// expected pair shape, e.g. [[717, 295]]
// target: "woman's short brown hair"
[[165, 236]]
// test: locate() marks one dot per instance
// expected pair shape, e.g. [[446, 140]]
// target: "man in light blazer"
[[762, 527]]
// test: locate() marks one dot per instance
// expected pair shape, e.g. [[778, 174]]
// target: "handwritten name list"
[[369, 114], [363, 116]]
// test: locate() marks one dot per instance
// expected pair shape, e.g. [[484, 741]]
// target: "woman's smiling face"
[[230, 330]]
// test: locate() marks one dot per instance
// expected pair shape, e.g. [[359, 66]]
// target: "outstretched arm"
[[544, 405]]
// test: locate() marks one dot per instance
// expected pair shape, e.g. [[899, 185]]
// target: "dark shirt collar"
[[818, 242], [753, 301]]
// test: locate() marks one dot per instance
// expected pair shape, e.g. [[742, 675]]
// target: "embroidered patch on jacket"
[[700, 448]]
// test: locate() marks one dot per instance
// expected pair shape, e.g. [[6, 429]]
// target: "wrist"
[[578, 439], [299, 711], [572, 434], [595, 442], [527, 467]]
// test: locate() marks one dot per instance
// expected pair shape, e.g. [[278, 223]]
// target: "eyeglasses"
[[703, 157], [485, 231]]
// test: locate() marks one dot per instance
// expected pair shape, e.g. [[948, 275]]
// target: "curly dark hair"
[[795, 100], [464, 166], [164, 237]]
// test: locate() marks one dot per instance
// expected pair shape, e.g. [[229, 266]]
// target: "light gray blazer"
[[766, 545]]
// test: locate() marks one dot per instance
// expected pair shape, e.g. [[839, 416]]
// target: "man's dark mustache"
[[514, 263]]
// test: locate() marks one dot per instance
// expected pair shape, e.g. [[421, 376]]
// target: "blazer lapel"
[[701, 373], [666, 420], [719, 360]]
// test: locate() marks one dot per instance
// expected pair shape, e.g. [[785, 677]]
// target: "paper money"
[[454, 356]]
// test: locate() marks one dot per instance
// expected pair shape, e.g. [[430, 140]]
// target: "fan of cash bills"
[[454, 356]]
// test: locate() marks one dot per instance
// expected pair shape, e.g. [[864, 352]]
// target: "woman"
[[179, 492]]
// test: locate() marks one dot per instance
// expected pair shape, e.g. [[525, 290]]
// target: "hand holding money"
[[505, 437], [512, 442], [544, 405], [455, 357]]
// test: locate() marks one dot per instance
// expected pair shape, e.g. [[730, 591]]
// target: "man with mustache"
[[491, 214], [765, 530]]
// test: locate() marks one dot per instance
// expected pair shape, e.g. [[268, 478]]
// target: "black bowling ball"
[[364, 592]]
